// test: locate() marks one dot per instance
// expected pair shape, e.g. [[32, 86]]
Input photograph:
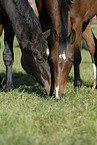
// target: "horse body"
[[54, 15], [17, 17], [81, 13], [1, 28], [92, 48]]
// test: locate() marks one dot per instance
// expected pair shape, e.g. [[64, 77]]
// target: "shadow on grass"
[[24, 83]]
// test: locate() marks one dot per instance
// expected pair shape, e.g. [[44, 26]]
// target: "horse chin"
[[60, 90], [40, 71]]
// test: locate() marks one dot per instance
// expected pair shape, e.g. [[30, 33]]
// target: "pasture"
[[28, 118]]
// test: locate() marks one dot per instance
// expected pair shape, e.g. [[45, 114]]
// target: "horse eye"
[[39, 60]]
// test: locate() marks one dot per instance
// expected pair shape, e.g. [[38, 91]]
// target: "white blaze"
[[57, 92], [63, 55]]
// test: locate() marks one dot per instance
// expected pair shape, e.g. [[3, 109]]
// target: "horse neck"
[[91, 10]]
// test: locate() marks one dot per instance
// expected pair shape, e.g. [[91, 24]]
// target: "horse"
[[81, 12], [1, 29], [54, 16], [91, 41], [91, 45], [18, 18]]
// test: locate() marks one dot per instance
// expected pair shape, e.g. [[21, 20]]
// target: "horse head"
[[61, 60], [33, 45], [60, 41], [34, 60], [64, 64]]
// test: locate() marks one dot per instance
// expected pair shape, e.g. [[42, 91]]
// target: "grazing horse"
[[17, 17], [54, 15], [81, 13]]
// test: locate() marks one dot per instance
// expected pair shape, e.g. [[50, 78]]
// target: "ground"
[[28, 118]]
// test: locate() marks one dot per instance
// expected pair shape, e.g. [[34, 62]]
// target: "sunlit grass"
[[28, 118]]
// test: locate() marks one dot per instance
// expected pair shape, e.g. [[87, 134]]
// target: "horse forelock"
[[68, 3], [64, 9]]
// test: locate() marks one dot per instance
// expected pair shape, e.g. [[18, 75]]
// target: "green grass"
[[28, 118], [94, 29]]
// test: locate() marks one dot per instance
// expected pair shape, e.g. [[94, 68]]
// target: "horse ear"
[[72, 36], [46, 33]]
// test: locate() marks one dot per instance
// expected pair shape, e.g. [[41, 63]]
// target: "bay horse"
[[18, 18], [91, 41], [54, 15], [81, 13]]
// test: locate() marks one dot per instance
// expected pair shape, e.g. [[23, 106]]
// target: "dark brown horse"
[[1, 29], [81, 13], [17, 17], [54, 15]]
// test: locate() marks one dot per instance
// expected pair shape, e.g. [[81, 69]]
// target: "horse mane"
[[26, 11], [64, 9]]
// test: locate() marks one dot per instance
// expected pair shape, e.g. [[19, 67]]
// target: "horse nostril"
[[62, 95], [71, 60]]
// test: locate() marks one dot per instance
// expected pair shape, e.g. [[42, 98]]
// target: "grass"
[[28, 118], [94, 29]]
